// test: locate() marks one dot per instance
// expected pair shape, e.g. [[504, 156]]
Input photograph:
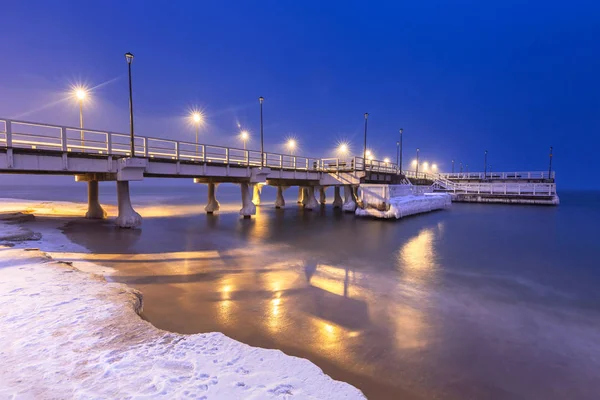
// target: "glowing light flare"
[[386, 160], [414, 163], [425, 166], [291, 144], [434, 167], [244, 135]]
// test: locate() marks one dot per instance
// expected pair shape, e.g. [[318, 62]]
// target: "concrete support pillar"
[[127, 218], [322, 195], [279, 200], [300, 195], [248, 207], [337, 199], [212, 205], [311, 202], [256, 189], [349, 203], [95, 210], [304, 195]]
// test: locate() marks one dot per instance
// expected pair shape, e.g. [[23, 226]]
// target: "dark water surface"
[[475, 302]]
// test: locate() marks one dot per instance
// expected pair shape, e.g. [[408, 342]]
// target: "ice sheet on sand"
[[69, 334], [408, 205]]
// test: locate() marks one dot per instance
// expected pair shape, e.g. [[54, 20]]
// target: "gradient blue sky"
[[512, 77]]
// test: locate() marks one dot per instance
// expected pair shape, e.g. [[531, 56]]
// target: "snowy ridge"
[[403, 206]]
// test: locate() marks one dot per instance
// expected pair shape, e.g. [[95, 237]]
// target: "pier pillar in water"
[[279, 200], [248, 207], [311, 203], [212, 204], [256, 189], [300, 195], [127, 218], [349, 203], [322, 195], [95, 210], [337, 199], [304, 195]]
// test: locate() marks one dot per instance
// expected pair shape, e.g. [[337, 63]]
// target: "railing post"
[[8, 134], [204, 153], [247, 154], [534, 189], [63, 138], [177, 150], [227, 155], [109, 143], [146, 152]]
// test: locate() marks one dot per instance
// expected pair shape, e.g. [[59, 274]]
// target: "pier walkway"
[[95, 155]]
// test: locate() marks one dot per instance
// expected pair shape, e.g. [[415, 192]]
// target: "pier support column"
[[95, 210], [322, 195], [311, 203], [349, 203], [248, 207], [337, 199], [279, 200], [300, 195], [127, 218], [256, 189], [212, 204]]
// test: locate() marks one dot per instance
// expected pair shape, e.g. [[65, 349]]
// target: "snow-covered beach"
[[68, 333]]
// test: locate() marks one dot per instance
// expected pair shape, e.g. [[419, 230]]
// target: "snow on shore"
[[403, 206], [70, 334]]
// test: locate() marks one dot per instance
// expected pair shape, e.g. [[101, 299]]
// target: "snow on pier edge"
[[70, 334], [403, 206]]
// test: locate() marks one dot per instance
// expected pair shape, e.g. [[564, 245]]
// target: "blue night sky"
[[512, 77]]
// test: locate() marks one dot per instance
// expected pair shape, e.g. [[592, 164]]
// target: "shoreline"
[[72, 313]]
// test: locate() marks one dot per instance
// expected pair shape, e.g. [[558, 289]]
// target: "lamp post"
[[291, 144], [400, 160], [262, 149], [365, 147], [81, 94], [244, 136], [550, 165], [452, 166], [417, 169], [197, 120], [461, 168], [129, 59], [485, 166]]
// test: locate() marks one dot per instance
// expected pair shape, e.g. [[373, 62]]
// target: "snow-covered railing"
[[47, 137], [521, 189], [499, 175]]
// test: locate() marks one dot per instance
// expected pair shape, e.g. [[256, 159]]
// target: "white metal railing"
[[499, 175], [48, 137], [517, 188]]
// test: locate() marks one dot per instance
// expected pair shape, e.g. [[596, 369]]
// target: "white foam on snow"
[[70, 334], [403, 206]]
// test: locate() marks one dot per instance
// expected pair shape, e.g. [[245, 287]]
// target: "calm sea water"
[[478, 301]]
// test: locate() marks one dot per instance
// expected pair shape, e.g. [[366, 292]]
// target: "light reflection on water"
[[404, 309]]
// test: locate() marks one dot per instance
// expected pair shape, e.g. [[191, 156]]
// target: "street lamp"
[[417, 170], [244, 135], [196, 117], [81, 94], [399, 162], [129, 59], [434, 167], [452, 166], [291, 145], [262, 149], [365, 147], [485, 166], [550, 165], [425, 166]]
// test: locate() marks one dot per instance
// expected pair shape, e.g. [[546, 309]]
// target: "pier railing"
[[48, 137], [499, 175]]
